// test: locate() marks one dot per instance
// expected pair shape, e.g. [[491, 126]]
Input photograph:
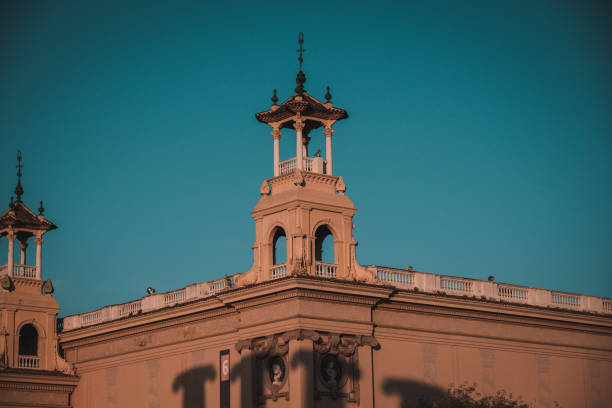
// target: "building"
[[307, 326]]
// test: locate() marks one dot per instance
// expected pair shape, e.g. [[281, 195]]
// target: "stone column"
[[39, 240], [276, 134], [299, 155], [328, 149], [11, 251], [301, 373], [23, 246]]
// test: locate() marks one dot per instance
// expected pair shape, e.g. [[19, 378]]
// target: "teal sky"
[[479, 140]]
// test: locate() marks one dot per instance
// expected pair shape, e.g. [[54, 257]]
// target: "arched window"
[[324, 245], [28, 341], [279, 254]]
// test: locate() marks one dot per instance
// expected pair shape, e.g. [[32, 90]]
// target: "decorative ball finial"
[[19, 188], [274, 98], [328, 95], [41, 209], [301, 77]]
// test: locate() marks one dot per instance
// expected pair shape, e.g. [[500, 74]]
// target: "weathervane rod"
[[19, 189], [301, 50]]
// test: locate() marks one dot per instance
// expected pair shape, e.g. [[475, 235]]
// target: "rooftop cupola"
[[303, 113], [304, 220], [20, 223]]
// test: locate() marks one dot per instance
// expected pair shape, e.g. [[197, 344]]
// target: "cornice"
[[500, 312]]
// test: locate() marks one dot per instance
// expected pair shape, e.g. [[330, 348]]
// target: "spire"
[[19, 189], [301, 77]]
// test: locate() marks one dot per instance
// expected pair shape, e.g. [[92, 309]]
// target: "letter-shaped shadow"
[[410, 391], [192, 383]]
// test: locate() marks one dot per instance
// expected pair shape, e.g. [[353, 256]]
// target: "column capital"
[[328, 131], [39, 240], [11, 235], [299, 124], [23, 244], [276, 133]]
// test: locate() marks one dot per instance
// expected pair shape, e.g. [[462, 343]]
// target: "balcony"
[[21, 271], [32, 362], [311, 164]]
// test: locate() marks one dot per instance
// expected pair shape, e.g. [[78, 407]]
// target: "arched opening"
[[279, 251], [28, 341], [324, 245]]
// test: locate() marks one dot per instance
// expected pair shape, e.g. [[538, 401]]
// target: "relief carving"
[[336, 373]]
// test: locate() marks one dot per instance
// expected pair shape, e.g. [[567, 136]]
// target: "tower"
[[304, 203], [28, 310]]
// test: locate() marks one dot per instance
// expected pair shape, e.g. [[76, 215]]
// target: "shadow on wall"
[[192, 383], [410, 392]]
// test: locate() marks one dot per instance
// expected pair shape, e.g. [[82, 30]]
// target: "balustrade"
[[564, 299], [28, 362], [396, 277], [130, 309], [311, 164], [457, 285], [21, 271], [175, 297], [91, 318], [278, 271], [325, 269], [511, 292]]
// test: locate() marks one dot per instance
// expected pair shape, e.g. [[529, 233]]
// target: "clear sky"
[[479, 140]]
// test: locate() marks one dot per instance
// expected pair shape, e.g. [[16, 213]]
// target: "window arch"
[[279, 247], [28, 341], [324, 245]]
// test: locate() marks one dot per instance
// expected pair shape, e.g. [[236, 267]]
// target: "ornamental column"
[[276, 134], [39, 240], [11, 251], [299, 155], [328, 149]]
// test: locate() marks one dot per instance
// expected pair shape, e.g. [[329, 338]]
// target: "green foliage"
[[465, 396]]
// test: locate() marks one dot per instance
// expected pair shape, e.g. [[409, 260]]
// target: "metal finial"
[[19, 188], [301, 50], [41, 209], [11, 204], [274, 98], [301, 77], [328, 95]]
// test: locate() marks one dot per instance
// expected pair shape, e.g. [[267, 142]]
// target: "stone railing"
[[148, 303], [399, 278], [325, 269], [278, 271], [21, 271], [130, 309], [490, 290], [28, 362], [311, 164]]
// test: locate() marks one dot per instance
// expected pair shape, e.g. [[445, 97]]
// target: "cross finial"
[[19, 188], [301, 77], [301, 50]]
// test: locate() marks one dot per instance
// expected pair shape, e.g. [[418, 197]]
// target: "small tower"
[[28, 311], [303, 204]]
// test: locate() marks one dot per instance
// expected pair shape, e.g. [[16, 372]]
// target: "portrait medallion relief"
[[276, 371], [331, 371]]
